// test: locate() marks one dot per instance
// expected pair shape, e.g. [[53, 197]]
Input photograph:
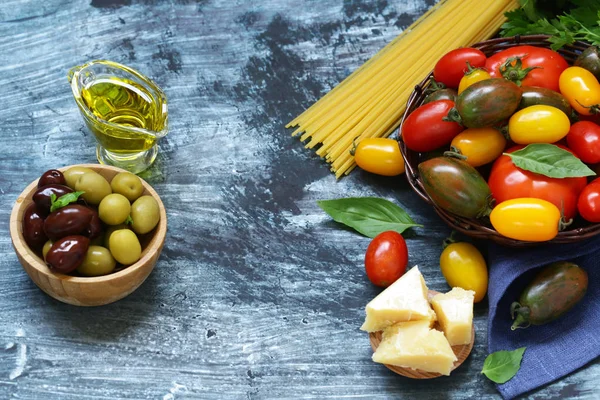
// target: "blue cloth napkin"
[[555, 349]]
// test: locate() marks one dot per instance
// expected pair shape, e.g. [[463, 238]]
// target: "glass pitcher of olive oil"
[[126, 112]]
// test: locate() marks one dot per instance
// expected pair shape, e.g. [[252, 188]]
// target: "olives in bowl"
[[65, 249]]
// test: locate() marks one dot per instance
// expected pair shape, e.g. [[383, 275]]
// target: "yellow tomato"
[[463, 266], [581, 88], [379, 156], [538, 124], [471, 77], [479, 145], [528, 219]]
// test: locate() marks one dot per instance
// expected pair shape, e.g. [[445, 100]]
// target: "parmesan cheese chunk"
[[414, 345], [404, 300], [454, 311]]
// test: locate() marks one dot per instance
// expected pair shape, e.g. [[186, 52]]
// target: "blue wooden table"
[[257, 293]]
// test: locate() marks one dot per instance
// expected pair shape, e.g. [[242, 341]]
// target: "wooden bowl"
[[88, 291], [461, 352], [481, 228]]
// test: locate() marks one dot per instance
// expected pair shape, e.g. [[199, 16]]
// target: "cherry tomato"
[[471, 77], [507, 181], [479, 145], [379, 156], [528, 219], [546, 64], [463, 266], [386, 258], [582, 90], [584, 139], [450, 69], [538, 124], [425, 130], [588, 204]]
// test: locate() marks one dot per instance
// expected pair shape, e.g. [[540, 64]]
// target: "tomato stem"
[[523, 313], [434, 86], [594, 108], [515, 73], [354, 146], [449, 240], [453, 116], [455, 153]]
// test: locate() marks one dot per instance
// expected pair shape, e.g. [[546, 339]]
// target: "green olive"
[[114, 209], [127, 184], [94, 186], [145, 214], [73, 174], [46, 248], [98, 261], [109, 231], [125, 246]]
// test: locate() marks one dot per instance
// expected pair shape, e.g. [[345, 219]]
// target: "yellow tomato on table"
[[379, 156], [463, 266]]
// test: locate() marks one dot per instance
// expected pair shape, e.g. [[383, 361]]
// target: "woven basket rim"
[[473, 227]]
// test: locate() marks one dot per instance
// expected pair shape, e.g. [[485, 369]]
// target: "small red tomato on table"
[[386, 258]]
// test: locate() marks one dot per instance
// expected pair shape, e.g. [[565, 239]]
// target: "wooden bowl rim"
[[16, 234], [459, 352]]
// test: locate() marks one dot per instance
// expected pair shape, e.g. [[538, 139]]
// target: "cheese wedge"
[[415, 345], [454, 311], [403, 300]]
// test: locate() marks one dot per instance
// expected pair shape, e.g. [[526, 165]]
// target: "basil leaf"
[[368, 215], [501, 366], [63, 200], [549, 160]]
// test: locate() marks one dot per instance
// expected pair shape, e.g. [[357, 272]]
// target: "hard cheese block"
[[415, 345], [454, 311], [404, 300]]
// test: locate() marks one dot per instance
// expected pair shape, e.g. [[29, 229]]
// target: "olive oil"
[[126, 112], [123, 103]]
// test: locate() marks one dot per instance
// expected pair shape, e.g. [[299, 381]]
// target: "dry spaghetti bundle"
[[370, 102]]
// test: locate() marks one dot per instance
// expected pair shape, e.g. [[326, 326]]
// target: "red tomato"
[[588, 204], [584, 139], [507, 182], [450, 69], [424, 129], [549, 65], [386, 258]]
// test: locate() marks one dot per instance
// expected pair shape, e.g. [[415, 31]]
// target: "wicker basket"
[[481, 229]]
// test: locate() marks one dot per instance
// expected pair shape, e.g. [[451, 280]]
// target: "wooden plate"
[[461, 352]]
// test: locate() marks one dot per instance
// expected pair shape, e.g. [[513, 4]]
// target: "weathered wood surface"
[[257, 293]]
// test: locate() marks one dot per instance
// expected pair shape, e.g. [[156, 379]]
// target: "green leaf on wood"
[[368, 215], [549, 160]]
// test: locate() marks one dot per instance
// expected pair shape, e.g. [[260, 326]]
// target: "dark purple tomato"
[[42, 196], [52, 177], [33, 228], [73, 219], [67, 254]]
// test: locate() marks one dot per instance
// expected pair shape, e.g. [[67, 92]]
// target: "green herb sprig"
[[566, 21]]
